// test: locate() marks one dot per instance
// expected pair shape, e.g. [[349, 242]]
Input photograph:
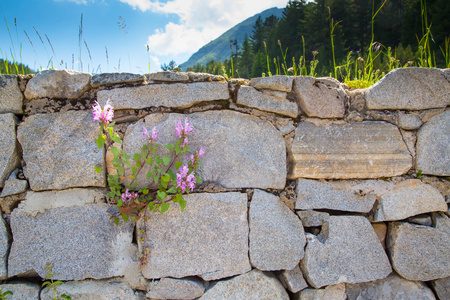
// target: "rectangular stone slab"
[[358, 150], [209, 239]]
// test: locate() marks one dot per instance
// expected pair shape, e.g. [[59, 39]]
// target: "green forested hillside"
[[310, 34], [220, 47]]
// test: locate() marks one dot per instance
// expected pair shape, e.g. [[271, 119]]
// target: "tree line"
[[328, 33]]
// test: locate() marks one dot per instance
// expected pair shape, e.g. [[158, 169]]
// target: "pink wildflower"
[[182, 132], [201, 152], [154, 136], [104, 115], [128, 197], [185, 180]]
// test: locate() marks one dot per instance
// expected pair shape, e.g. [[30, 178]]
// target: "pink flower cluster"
[[129, 197], [104, 115], [154, 136], [197, 155], [185, 180], [182, 132]]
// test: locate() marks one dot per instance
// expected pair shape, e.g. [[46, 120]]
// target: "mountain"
[[220, 47]]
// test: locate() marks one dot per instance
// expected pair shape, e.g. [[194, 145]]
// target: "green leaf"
[[164, 207], [120, 170], [111, 194], [125, 217], [100, 141], [172, 190], [178, 197], [168, 147], [115, 151], [161, 195], [164, 184], [182, 204], [64, 296], [198, 180], [156, 178], [178, 164], [125, 156], [116, 221], [149, 161], [119, 202], [134, 170], [98, 169], [138, 164], [166, 160], [149, 174], [136, 156], [165, 178]]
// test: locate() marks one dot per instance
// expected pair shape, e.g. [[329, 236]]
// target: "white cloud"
[[200, 21]]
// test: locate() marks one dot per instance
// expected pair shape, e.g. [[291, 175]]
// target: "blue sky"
[[172, 29]]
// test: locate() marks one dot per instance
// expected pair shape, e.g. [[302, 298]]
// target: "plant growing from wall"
[[164, 185], [50, 284], [4, 294]]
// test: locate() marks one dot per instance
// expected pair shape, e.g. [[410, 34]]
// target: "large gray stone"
[[293, 279], [21, 290], [420, 252], [347, 250], [94, 290], [59, 84], [442, 288], [276, 83], [276, 237], [167, 76], [411, 89], [78, 242], [409, 121], [272, 101], [251, 285], [409, 198], [180, 95], [241, 150], [9, 154], [391, 287], [313, 194], [209, 239], [5, 240], [433, 146], [115, 78], [60, 150], [172, 288], [13, 187], [320, 97], [11, 98], [331, 292], [358, 150]]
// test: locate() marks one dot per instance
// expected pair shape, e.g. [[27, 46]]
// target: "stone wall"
[[311, 190]]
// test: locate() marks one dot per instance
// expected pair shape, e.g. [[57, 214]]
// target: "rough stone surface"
[[21, 290], [13, 187], [380, 230], [171, 288], [311, 218], [198, 77], [272, 101], [424, 220], [9, 203], [347, 250], [391, 287], [59, 84], [411, 89], [5, 240], [332, 292], [276, 83], [260, 285], [433, 146], [11, 98], [167, 76], [95, 290], [9, 154], [409, 198], [79, 242], [320, 97], [358, 150], [442, 288], [293, 279], [60, 150], [134, 277], [313, 194], [180, 95], [209, 239], [420, 252], [409, 121], [276, 236], [115, 78], [244, 160]]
